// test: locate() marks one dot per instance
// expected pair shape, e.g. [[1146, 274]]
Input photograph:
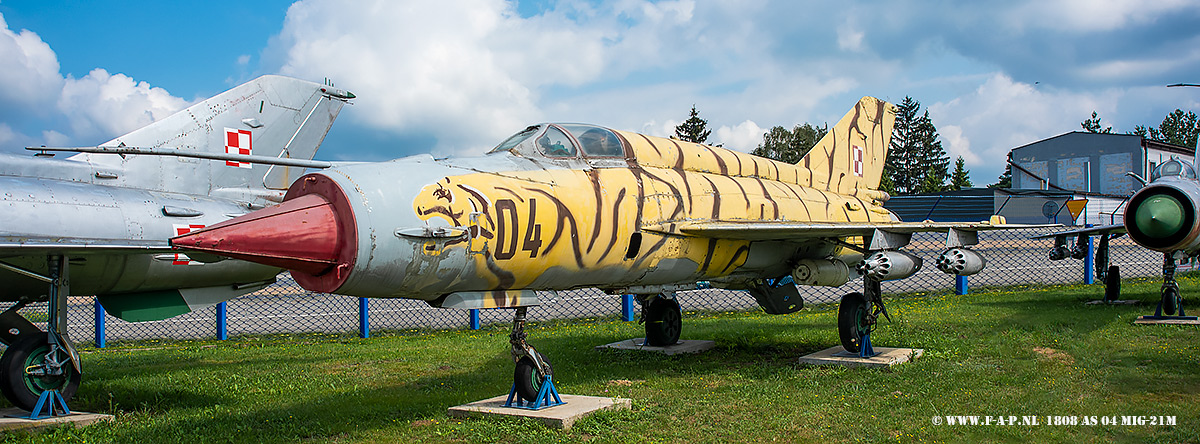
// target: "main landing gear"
[[858, 315], [39, 365], [663, 319]]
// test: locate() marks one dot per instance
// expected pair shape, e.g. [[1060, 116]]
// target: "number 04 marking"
[[506, 230]]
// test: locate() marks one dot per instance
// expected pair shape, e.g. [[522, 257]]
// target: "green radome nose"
[[1159, 216]]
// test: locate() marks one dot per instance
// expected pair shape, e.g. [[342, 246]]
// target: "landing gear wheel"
[[664, 322], [527, 377], [1112, 284], [853, 321], [1170, 300], [28, 352]]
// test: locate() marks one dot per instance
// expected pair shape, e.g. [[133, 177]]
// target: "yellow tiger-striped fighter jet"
[[565, 206]]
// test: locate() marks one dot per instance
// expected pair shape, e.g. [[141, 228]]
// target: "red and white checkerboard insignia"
[[180, 230], [237, 141], [856, 160]]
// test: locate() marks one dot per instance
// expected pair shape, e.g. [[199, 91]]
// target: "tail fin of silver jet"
[[269, 116]]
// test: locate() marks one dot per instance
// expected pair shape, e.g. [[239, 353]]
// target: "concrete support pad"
[[80, 419], [1115, 302], [560, 417], [684, 346], [1143, 321], [887, 357]]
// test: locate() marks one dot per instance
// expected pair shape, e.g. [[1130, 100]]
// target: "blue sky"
[[455, 77]]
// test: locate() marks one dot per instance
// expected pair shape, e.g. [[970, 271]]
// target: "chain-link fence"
[[285, 307]]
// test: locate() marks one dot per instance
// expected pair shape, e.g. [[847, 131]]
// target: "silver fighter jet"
[[96, 223]]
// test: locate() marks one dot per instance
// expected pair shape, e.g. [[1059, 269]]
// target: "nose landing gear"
[[533, 385]]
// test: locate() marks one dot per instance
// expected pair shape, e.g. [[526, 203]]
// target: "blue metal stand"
[[546, 397], [865, 350], [57, 406], [1158, 316]]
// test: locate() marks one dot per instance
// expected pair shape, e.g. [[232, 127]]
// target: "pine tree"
[[931, 158], [961, 178], [900, 160], [916, 161], [1092, 125], [694, 129]]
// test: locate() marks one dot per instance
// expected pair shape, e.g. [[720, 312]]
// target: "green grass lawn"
[[999, 352]]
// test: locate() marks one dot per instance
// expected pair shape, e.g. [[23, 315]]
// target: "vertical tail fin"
[[851, 156], [269, 116]]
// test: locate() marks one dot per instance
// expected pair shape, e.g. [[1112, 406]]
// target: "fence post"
[[960, 285], [222, 322], [473, 317], [364, 318], [627, 307], [1089, 262], [99, 330]]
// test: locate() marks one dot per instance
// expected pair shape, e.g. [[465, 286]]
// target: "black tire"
[[852, 321], [23, 390], [1170, 300], [527, 379], [1112, 283], [664, 322]]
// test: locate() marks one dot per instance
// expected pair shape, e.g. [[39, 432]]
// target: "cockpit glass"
[[596, 141], [556, 143], [1173, 168], [517, 138]]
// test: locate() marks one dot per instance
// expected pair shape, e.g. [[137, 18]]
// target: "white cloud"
[[1003, 114], [849, 38], [742, 137], [461, 70], [469, 72], [1092, 15], [103, 104], [36, 98], [30, 69], [6, 135], [55, 138]]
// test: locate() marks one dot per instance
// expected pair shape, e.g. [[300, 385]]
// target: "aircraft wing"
[[1118, 229], [787, 230]]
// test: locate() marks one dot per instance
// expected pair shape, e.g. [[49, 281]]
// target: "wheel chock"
[[546, 397], [52, 403]]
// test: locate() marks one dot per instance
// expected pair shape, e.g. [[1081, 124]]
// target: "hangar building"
[[1047, 174]]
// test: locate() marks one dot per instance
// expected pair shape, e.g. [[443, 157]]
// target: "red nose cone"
[[312, 234], [300, 234]]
